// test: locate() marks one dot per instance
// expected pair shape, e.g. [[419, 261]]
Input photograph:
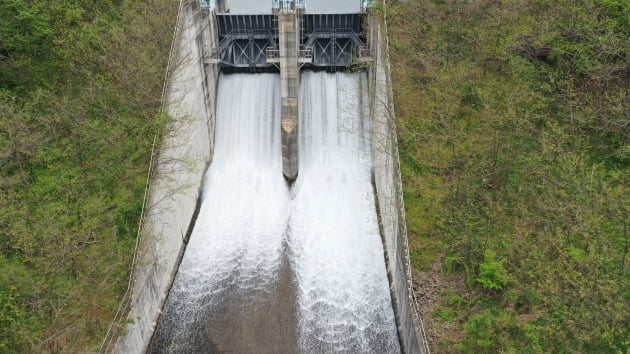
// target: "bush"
[[13, 321], [479, 334], [492, 274]]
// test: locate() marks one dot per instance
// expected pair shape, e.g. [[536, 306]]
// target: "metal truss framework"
[[243, 40], [249, 42]]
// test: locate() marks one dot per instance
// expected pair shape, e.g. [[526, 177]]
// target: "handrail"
[[272, 53], [126, 299], [248, 31], [288, 4], [305, 53], [333, 31], [364, 52]]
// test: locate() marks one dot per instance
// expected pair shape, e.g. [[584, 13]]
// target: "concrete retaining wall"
[[175, 185], [389, 197]]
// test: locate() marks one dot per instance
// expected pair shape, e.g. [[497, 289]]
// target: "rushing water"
[[228, 281], [343, 292], [273, 269]]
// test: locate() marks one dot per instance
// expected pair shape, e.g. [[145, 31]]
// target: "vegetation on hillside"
[[514, 126], [80, 89]]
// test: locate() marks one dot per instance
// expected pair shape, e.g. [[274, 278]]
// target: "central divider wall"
[[175, 186]]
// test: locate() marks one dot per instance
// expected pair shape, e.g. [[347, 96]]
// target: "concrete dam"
[[275, 221]]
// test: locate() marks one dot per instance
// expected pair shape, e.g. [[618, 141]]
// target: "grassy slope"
[[514, 125], [80, 88]]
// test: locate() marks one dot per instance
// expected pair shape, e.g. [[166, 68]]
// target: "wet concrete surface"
[[236, 320]]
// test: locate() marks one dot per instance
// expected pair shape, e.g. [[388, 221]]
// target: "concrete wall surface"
[[250, 7], [389, 198], [312, 6], [333, 6], [175, 184]]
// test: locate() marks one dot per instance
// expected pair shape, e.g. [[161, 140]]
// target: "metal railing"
[[272, 53], [114, 328], [306, 53], [332, 32], [288, 4], [242, 33], [398, 181], [364, 52]]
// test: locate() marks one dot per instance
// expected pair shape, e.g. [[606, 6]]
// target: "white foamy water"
[[234, 291], [343, 293], [243, 218], [239, 234]]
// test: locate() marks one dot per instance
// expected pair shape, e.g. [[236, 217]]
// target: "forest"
[[80, 95], [514, 130], [513, 119]]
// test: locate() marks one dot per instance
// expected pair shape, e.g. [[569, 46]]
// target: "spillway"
[[230, 293], [272, 268], [343, 292]]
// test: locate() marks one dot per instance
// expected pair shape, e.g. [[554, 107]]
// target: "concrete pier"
[[290, 81]]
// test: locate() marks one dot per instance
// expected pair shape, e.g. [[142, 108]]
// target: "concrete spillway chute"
[[218, 36]]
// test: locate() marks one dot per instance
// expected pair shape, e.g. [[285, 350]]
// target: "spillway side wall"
[[176, 178], [390, 202]]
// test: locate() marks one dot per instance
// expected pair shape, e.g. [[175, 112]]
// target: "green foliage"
[[577, 254], [492, 274], [25, 27], [24, 42], [453, 300], [512, 121], [620, 11], [11, 320], [490, 330], [479, 334], [445, 314], [470, 96], [17, 320], [453, 263], [80, 89]]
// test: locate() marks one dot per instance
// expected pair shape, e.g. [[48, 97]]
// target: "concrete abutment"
[[176, 179], [290, 88]]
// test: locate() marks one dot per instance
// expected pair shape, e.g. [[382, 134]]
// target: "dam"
[[275, 220]]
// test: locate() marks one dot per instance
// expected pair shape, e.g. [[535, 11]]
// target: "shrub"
[[492, 274]]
